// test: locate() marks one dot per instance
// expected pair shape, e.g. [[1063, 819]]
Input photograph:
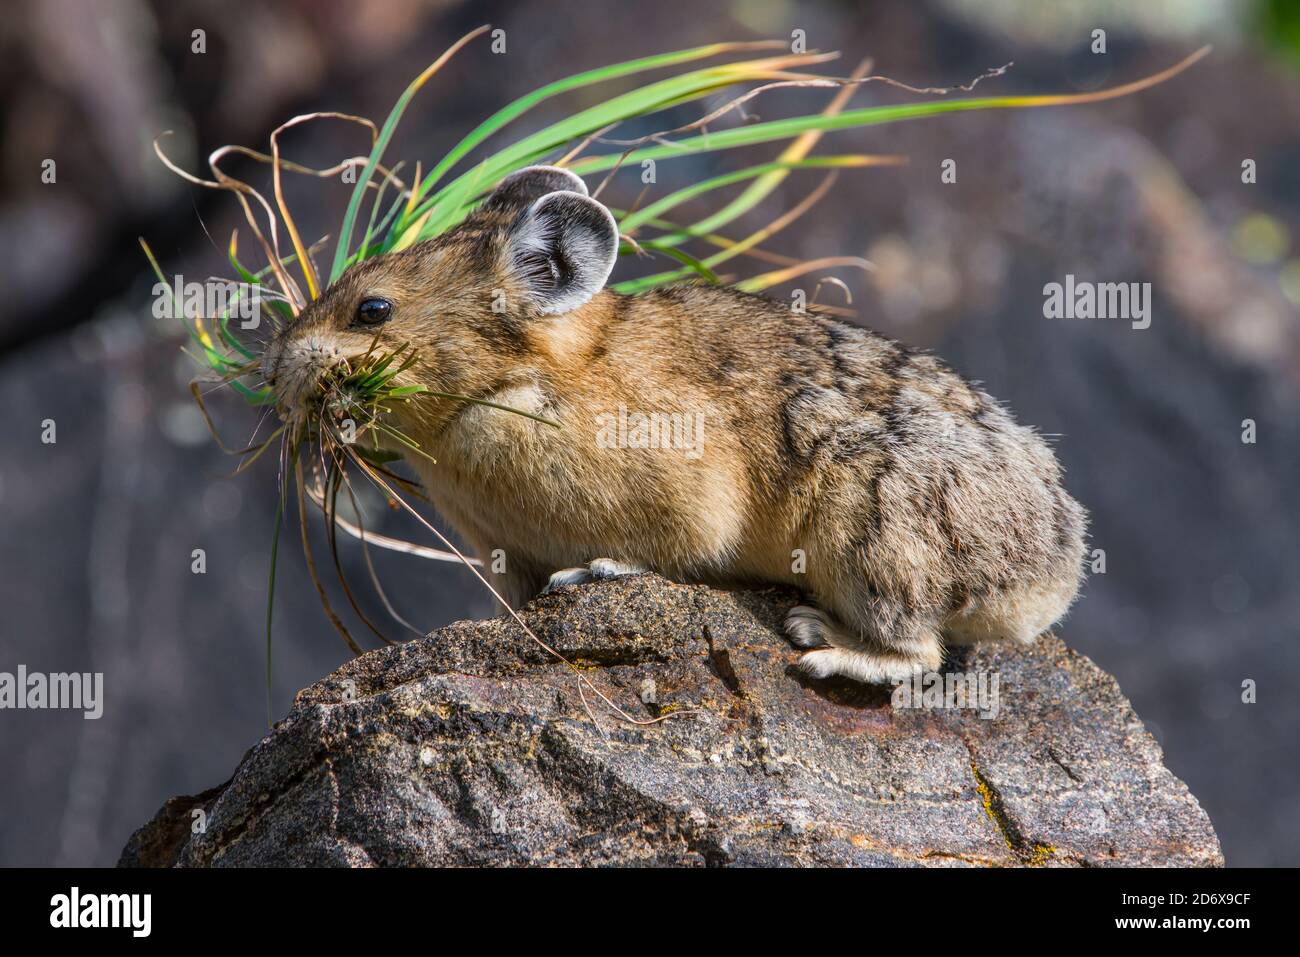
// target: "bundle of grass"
[[348, 430]]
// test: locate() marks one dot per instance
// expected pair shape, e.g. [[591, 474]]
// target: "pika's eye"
[[372, 312]]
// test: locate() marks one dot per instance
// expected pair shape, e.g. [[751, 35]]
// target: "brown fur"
[[924, 511]]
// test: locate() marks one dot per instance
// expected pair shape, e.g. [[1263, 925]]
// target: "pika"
[[708, 435]]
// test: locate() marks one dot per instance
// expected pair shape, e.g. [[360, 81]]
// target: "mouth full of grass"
[[345, 430]]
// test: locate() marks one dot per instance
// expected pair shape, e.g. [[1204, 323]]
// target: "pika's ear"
[[562, 249], [524, 187]]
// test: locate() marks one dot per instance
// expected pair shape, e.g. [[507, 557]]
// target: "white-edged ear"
[[524, 187], [562, 249]]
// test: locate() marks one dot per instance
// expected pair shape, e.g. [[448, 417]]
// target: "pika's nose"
[[293, 367]]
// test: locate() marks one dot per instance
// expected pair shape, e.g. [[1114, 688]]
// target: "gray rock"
[[475, 747]]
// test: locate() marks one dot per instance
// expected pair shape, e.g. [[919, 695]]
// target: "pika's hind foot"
[[600, 569], [835, 650], [868, 667]]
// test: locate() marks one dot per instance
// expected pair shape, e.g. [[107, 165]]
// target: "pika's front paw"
[[600, 569], [808, 627]]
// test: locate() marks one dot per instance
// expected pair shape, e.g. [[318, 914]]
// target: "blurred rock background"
[[1200, 530]]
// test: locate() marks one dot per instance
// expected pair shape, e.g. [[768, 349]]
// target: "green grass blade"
[[639, 102], [647, 213], [692, 264], [385, 134], [775, 130], [577, 81]]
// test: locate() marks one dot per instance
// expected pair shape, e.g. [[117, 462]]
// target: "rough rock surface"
[[473, 746]]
